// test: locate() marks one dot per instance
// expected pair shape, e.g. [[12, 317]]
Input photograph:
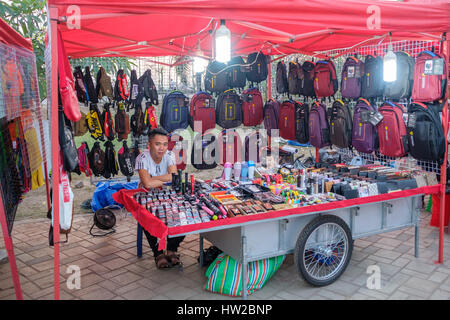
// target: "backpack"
[[203, 155], [341, 125], [134, 88], [90, 89], [286, 122], [236, 76], [80, 127], [391, 130], [430, 77], [252, 107], [216, 77], [426, 139], [301, 122], [258, 71], [319, 130], [372, 84], [80, 88], [176, 147], [281, 78], [294, 77], [352, 71], [83, 152], [67, 144], [122, 122], [137, 121], [307, 84], [325, 81], [97, 159], [108, 123], [111, 167], [94, 123], [104, 87], [202, 109], [175, 111], [271, 114], [229, 110], [230, 146], [364, 133], [125, 157], [253, 146], [401, 88], [121, 86], [150, 121], [147, 88]]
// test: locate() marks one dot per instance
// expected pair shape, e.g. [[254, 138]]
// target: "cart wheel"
[[323, 250]]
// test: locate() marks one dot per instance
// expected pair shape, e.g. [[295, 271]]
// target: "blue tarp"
[[102, 196]]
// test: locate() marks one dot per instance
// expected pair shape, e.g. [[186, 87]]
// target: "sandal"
[[161, 262], [174, 259]]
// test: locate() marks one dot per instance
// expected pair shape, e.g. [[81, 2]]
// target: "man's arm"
[[147, 181], [167, 177]]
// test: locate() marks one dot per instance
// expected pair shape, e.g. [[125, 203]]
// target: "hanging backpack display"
[[301, 122], [281, 78], [352, 72], [286, 122], [229, 110], [122, 122], [216, 77], [202, 109], [430, 77], [307, 84], [230, 146], [121, 92], [294, 77], [150, 121], [393, 141], [80, 87], [426, 139], [94, 123], [134, 88], [325, 80], [83, 152], [137, 121], [364, 132], [271, 114], [111, 167], [80, 127], [179, 152], [125, 157], [319, 130], [97, 159], [372, 84], [258, 71], [236, 76], [147, 89], [90, 88], [401, 88], [203, 156], [252, 107], [175, 111], [341, 125], [104, 86], [108, 123]]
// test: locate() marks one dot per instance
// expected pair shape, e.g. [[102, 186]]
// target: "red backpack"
[[325, 80], [430, 77], [392, 130], [230, 146], [286, 122], [252, 107], [202, 109], [176, 147]]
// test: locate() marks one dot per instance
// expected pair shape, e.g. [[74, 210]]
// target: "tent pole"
[[269, 80], [55, 143]]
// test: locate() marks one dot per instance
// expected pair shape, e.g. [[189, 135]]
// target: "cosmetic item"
[[251, 170], [237, 170], [244, 171], [227, 171]]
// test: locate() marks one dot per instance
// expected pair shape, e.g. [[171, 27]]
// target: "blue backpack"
[[175, 111]]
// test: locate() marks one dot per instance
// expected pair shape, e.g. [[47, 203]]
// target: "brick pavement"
[[110, 269]]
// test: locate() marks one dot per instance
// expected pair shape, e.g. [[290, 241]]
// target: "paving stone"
[[421, 284], [438, 277], [140, 293], [421, 267], [440, 295]]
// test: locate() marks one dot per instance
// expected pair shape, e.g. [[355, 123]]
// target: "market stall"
[[311, 28]]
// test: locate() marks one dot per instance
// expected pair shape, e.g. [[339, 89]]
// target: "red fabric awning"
[[174, 27], [11, 37]]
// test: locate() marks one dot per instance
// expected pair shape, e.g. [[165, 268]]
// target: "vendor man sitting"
[[155, 166]]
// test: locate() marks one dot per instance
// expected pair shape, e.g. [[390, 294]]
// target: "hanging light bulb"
[[223, 43], [390, 66], [199, 62]]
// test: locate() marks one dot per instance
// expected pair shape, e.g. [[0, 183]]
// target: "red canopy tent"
[[140, 28]]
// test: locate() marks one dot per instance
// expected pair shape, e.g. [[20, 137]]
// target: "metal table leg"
[[139, 240], [201, 251], [244, 269]]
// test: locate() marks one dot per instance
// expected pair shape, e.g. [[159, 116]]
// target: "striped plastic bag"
[[224, 274]]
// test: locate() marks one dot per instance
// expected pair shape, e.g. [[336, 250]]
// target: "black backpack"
[[96, 159], [92, 93], [126, 161], [372, 83], [134, 88], [229, 110], [307, 83], [216, 77], [67, 144], [294, 80], [204, 148], [147, 89], [111, 167], [341, 125], [257, 62], [301, 122], [236, 75], [79, 85], [426, 139], [107, 122], [402, 87], [122, 123], [137, 121], [281, 78]]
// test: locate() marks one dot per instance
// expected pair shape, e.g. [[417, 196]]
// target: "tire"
[[321, 265]]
